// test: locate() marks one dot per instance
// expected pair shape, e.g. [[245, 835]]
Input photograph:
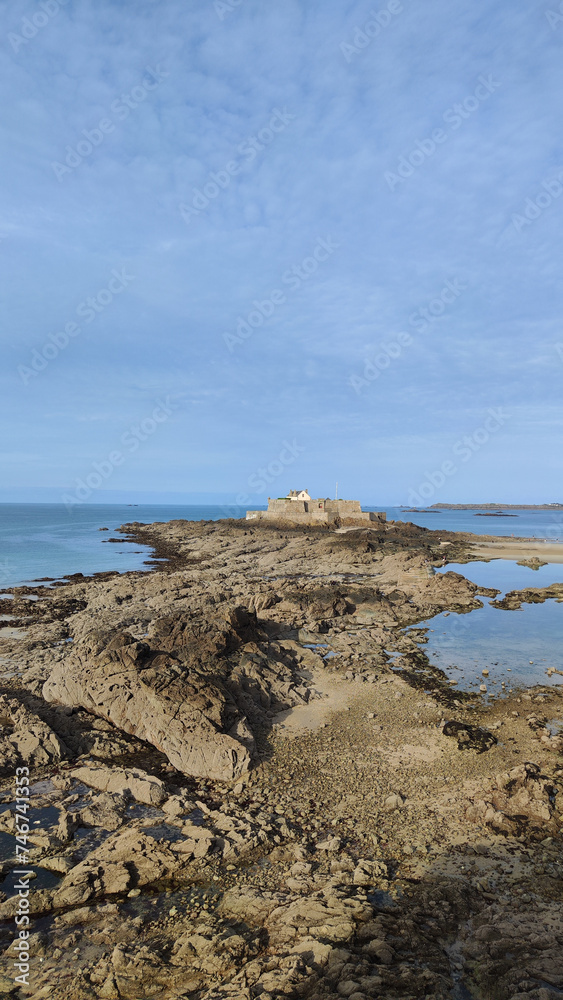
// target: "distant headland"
[[497, 506]]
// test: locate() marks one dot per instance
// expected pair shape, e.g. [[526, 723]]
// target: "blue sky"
[[299, 172]]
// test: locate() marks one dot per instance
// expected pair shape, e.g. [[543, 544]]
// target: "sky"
[[249, 247]]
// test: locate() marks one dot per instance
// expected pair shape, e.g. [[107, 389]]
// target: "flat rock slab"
[[141, 786]]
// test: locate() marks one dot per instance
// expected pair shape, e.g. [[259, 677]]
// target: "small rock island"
[[299, 507]]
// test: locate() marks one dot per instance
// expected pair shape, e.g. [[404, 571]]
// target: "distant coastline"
[[496, 506]]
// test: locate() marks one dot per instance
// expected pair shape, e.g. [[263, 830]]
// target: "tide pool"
[[506, 574], [502, 642]]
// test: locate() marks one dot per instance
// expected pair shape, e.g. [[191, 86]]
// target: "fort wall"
[[345, 512]]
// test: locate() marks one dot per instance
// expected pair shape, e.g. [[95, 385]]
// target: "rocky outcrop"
[[521, 799], [192, 690], [365, 855], [152, 695], [529, 595], [25, 738], [124, 861]]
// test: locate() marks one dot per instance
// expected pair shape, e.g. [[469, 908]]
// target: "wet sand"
[[518, 548], [330, 695]]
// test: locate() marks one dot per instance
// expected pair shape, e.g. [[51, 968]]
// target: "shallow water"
[[502, 642], [506, 574], [12, 633], [43, 880]]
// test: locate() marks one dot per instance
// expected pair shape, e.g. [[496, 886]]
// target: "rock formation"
[[190, 837]]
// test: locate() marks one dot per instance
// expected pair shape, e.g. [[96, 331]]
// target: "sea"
[[50, 542]]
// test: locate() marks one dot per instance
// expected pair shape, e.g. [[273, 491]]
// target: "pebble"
[[393, 802], [330, 844]]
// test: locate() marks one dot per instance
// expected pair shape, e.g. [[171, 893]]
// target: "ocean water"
[[546, 524], [48, 540]]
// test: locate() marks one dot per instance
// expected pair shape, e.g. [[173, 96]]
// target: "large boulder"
[[174, 700]]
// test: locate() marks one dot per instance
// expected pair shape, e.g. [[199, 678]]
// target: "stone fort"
[[301, 508]]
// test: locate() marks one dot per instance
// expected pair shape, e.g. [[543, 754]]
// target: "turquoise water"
[[502, 642], [46, 540]]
